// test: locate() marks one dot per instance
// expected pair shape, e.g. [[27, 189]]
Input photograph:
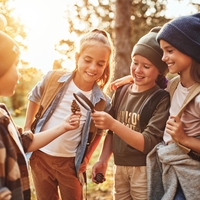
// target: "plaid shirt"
[[14, 179]]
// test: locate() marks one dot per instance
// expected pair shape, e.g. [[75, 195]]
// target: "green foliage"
[[85, 15], [14, 26], [82, 16], [146, 15], [29, 77]]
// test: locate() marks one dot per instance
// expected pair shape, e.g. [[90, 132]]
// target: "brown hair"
[[91, 38], [195, 71]]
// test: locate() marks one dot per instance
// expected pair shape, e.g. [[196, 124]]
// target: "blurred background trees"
[[125, 20]]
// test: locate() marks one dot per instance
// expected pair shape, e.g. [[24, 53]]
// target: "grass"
[[94, 191]]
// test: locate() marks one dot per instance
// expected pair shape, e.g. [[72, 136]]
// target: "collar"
[[97, 93]]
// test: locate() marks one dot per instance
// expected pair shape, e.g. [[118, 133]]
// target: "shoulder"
[[119, 93], [56, 74], [52, 77], [172, 84]]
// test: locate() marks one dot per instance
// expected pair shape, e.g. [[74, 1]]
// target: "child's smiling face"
[[91, 64]]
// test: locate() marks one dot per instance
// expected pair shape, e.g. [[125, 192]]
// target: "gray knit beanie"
[[149, 48], [9, 51], [183, 33]]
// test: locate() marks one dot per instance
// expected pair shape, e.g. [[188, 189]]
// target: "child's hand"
[[99, 167], [102, 120], [174, 127], [121, 81], [72, 121]]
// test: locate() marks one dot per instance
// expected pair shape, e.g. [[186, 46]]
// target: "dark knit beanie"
[[183, 33], [149, 48], [9, 51]]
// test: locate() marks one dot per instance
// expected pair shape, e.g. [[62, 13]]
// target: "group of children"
[[157, 158]]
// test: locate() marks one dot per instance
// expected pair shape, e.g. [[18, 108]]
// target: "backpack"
[[148, 106], [51, 89]]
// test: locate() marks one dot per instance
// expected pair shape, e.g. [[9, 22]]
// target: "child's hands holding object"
[[174, 127], [72, 121]]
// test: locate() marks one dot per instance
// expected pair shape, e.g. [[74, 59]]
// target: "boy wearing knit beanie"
[[14, 179], [179, 155], [132, 139]]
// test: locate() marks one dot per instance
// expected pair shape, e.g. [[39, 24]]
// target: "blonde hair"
[[90, 39]]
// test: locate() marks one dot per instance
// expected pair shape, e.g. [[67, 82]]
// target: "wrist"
[[103, 161]]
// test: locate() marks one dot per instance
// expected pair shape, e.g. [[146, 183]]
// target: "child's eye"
[[134, 63], [170, 51], [100, 64], [145, 66], [87, 60]]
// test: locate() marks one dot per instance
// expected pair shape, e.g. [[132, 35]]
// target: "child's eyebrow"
[[87, 56]]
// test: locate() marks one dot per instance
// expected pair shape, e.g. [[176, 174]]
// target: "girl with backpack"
[[58, 168]]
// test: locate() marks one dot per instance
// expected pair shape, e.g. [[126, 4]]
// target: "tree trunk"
[[122, 38]]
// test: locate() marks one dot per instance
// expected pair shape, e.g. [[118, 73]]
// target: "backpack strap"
[[173, 86], [150, 106], [118, 96], [51, 88], [194, 91]]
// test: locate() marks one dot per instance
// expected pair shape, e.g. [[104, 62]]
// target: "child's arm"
[[101, 165], [41, 139], [30, 115], [121, 81], [105, 121]]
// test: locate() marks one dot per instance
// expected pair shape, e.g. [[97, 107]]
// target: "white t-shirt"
[[66, 144]]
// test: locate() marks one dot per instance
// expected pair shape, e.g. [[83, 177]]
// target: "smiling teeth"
[[138, 76], [169, 64], [91, 74]]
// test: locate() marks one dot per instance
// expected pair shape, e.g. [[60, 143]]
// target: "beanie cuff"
[[152, 55], [178, 39]]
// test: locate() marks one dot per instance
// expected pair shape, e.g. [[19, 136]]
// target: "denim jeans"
[[179, 193]]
